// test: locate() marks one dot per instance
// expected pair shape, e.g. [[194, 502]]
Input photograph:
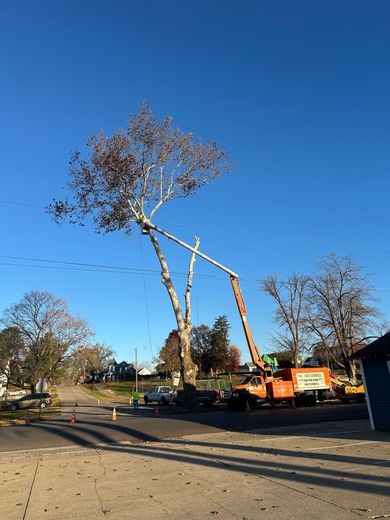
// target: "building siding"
[[377, 380]]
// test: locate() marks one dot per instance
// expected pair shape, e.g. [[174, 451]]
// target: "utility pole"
[[136, 370]]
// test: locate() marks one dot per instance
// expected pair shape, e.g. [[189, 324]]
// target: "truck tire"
[[14, 407], [146, 400], [311, 400]]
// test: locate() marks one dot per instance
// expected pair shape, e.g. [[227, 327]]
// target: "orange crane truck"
[[296, 386]]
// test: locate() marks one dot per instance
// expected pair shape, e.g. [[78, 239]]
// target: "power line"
[[122, 270], [27, 204], [81, 266], [104, 267]]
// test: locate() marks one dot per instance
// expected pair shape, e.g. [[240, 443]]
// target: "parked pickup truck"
[[159, 394]]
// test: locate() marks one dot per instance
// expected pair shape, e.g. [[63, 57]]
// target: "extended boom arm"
[[146, 225]]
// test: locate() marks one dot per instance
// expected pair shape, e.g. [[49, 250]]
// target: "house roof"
[[380, 348], [250, 364]]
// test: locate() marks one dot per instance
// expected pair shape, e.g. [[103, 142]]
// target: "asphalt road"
[[94, 425]]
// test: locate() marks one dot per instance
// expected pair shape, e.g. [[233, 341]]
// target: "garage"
[[375, 369]]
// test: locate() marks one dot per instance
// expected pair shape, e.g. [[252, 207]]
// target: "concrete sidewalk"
[[335, 471]]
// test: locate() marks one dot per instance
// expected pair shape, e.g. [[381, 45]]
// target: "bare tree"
[[47, 331], [87, 359], [290, 298], [339, 312], [127, 178]]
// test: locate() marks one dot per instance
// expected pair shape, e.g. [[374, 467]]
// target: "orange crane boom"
[[254, 351]]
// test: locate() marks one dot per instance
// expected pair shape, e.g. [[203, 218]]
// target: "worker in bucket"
[[135, 399]]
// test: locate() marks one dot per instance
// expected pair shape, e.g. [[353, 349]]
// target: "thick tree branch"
[[189, 283]]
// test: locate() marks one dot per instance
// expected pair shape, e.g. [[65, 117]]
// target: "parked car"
[[159, 394], [14, 393], [30, 401]]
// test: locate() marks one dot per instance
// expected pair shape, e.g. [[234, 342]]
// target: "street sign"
[[175, 378], [41, 386]]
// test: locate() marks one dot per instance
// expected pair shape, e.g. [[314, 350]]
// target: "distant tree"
[[48, 333], [127, 178], [169, 360], [88, 359], [216, 357], [234, 359], [340, 315], [12, 352], [284, 358], [290, 296], [200, 344]]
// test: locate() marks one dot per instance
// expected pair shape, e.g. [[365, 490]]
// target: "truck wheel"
[[272, 401], [311, 400], [249, 403], [146, 400], [14, 407], [43, 405]]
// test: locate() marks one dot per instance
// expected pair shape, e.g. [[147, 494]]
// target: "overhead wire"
[[117, 269], [59, 264]]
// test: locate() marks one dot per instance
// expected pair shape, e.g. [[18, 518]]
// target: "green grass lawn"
[[124, 388], [8, 418], [92, 390]]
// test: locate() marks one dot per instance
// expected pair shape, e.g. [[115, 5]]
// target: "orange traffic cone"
[[156, 412], [113, 418], [73, 418], [247, 407]]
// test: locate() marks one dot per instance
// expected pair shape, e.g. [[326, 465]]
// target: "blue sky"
[[297, 92]]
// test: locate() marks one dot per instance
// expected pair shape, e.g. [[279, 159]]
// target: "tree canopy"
[[39, 333], [135, 171]]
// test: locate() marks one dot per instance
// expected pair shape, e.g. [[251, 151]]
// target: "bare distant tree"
[[47, 332], [290, 298], [339, 311], [127, 178]]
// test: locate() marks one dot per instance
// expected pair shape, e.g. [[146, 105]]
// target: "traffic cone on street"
[[113, 418], [156, 412], [73, 418]]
